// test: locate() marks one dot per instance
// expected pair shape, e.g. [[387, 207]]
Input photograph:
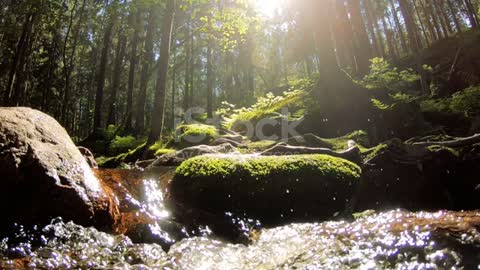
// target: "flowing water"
[[388, 240]]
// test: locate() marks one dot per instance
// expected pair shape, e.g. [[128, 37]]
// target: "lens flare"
[[269, 8]]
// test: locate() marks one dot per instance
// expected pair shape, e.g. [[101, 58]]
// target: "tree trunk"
[[210, 79], [174, 90], [188, 57], [471, 13], [344, 36], [117, 76], [453, 12], [69, 64], [392, 48], [361, 36], [403, 41], [441, 3], [18, 59], [159, 103], [107, 43], [147, 63], [371, 28], [444, 21], [191, 72], [377, 27], [414, 41], [430, 25], [436, 22], [422, 26], [137, 26]]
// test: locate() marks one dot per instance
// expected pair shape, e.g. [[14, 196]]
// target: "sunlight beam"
[[269, 8]]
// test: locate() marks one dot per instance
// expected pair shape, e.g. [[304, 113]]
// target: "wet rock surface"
[[143, 215], [44, 175], [389, 240]]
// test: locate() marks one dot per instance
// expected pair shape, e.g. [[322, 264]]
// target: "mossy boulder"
[[273, 189], [196, 134]]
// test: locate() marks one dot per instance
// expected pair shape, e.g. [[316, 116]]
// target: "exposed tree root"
[[352, 153], [459, 142]]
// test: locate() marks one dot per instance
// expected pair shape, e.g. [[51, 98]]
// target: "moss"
[[364, 214], [438, 148], [369, 153], [259, 146], [130, 156], [123, 144], [163, 151], [341, 143], [157, 146], [321, 165], [293, 187], [195, 134]]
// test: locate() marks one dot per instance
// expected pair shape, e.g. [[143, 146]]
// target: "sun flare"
[[269, 7]]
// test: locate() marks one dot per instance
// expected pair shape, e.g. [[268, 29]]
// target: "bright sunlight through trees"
[[269, 8]]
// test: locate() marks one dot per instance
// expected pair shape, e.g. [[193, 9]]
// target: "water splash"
[[390, 240]]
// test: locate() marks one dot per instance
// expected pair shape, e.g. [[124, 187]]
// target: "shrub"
[[271, 105], [466, 102], [383, 76], [124, 144]]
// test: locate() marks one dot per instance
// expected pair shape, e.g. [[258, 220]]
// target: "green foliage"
[[110, 132], [271, 105], [466, 102], [130, 156], [123, 144], [394, 99], [436, 105], [379, 104], [383, 76]]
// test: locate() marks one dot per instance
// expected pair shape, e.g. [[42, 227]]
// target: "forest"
[[240, 134], [92, 64]]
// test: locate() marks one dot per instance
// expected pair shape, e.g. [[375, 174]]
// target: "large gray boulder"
[[44, 175]]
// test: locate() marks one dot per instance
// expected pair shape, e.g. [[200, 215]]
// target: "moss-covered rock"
[[196, 134], [273, 189]]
